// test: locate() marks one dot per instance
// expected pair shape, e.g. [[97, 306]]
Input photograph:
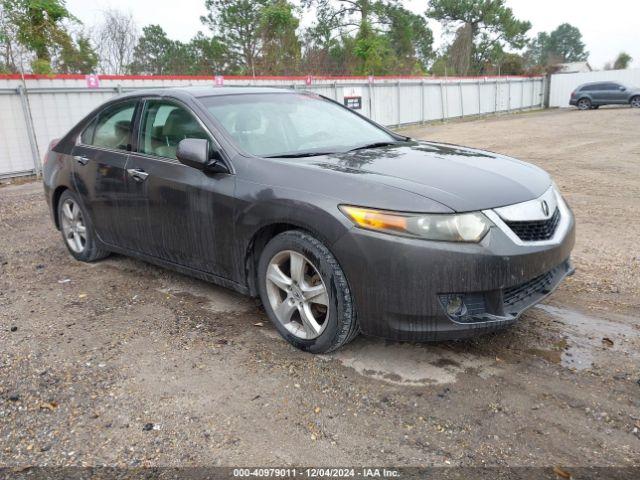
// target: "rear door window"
[[113, 128]]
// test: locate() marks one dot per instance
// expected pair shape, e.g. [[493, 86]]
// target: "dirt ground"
[[125, 364]]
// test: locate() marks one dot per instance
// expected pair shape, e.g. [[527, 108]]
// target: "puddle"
[[585, 337], [411, 364]]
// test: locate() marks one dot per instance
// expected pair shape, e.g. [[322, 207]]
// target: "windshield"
[[291, 124]]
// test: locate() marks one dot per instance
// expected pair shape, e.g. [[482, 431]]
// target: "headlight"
[[462, 227]]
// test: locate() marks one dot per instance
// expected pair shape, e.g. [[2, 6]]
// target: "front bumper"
[[400, 285]]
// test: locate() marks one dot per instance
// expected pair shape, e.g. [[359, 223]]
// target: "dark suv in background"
[[592, 95]]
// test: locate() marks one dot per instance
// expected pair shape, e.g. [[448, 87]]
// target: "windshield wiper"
[[375, 145], [299, 155]]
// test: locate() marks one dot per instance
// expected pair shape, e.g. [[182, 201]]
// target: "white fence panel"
[[562, 84], [51, 106], [15, 150]]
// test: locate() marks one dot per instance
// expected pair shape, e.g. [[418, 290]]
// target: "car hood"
[[461, 178]]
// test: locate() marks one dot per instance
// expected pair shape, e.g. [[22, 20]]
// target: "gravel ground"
[[125, 364]]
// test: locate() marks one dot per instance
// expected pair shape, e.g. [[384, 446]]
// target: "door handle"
[[137, 174], [81, 159]]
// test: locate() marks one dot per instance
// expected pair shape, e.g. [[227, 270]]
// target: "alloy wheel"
[[635, 102], [584, 104], [297, 294], [73, 226]]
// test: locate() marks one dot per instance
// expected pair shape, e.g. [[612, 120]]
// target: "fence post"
[[479, 98], [422, 102], [398, 98], [371, 101], [521, 94], [461, 99], [533, 92], [33, 143], [442, 101], [495, 106], [508, 95]]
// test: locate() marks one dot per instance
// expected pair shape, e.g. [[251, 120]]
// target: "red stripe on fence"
[[31, 76]]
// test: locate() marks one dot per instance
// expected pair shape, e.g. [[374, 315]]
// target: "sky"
[[607, 28]]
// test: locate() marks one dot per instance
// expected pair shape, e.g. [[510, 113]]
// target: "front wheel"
[[305, 293], [584, 104], [635, 102]]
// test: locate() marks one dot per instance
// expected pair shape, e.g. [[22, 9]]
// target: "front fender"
[[265, 210]]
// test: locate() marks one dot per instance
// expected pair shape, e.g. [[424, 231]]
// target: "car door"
[[598, 93], [182, 215], [619, 94], [99, 161], [611, 93]]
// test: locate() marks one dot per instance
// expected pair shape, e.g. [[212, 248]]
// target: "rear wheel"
[[635, 102], [77, 229], [305, 293], [584, 104]]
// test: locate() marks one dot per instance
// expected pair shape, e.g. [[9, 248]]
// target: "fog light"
[[455, 306]]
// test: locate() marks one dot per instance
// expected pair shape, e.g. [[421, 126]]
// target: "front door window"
[[164, 125]]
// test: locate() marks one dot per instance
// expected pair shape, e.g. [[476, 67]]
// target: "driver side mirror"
[[198, 153], [622, 89]]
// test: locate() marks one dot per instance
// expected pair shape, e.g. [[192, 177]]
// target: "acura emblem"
[[545, 207]]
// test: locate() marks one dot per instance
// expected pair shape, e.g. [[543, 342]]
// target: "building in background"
[[573, 67]]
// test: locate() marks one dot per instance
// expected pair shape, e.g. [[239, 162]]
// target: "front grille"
[[531, 231], [538, 285]]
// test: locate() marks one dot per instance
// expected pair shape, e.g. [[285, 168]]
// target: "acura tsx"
[[338, 224]]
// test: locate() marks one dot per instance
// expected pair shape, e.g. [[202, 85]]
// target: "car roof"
[[598, 83], [204, 91]]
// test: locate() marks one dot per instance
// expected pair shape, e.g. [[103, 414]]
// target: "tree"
[[361, 20], [511, 64], [8, 44], [622, 61], [280, 46], [372, 50], [323, 51], [39, 26], [387, 38], [238, 22], [155, 52], [116, 38], [564, 44], [77, 56], [207, 56], [482, 28], [409, 38]]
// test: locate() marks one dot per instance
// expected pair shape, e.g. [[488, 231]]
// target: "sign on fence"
[[92, 81], [352, 98]]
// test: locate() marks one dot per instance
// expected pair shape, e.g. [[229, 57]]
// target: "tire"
[[293, 295], [635, 102], [584, 104], [77, 229]]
